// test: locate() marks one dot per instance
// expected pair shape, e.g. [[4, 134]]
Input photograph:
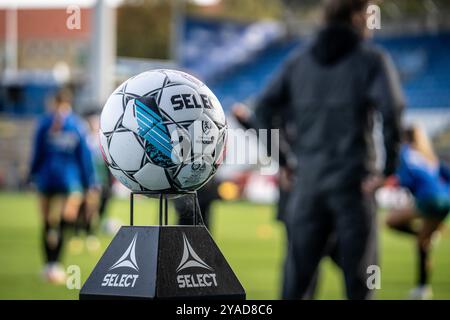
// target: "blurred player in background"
[[94, 206], [332, 90], [428, 180], [104, 176], [63, 172]]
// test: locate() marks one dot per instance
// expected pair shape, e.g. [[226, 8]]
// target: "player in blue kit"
[[428, 180], [62, 170]]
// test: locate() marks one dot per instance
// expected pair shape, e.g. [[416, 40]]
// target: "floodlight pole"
[[103, 51], [11, 38], [177, 29]]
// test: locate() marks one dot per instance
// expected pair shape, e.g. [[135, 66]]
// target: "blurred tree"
[[144, 26], [243, 10], [143, 29]]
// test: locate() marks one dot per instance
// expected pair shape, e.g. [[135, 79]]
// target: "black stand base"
[[162, 262]]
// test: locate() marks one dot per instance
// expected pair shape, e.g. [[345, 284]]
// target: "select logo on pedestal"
[[162, 262], [190, 259], [128, 261]]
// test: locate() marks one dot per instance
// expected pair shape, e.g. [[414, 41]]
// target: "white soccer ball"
[[163, 130]]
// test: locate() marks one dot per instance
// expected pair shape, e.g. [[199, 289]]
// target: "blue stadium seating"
[[211, 47], [247, 80], [423, 62], [236, 60], [27, 94]]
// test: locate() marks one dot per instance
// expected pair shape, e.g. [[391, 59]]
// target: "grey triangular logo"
[[190, 258], [128, 259]]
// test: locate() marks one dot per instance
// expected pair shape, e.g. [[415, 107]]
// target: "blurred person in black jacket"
[[332, 90]]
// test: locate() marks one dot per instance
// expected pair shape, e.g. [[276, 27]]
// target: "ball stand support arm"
[[163, 205]]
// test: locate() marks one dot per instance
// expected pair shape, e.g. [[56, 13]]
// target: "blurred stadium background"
[[234, 46]]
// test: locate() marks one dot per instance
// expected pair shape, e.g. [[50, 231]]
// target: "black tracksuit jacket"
[[331, 91]]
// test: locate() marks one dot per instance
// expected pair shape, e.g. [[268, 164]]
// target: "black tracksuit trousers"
[[313, 217]]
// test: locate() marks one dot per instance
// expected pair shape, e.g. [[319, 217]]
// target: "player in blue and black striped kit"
[[62, 170]]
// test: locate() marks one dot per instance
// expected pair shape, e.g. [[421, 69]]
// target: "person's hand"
[[391, 181], [240, 112], [286, 178], [372, 183]]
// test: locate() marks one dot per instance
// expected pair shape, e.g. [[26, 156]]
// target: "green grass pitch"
[[249, 238]]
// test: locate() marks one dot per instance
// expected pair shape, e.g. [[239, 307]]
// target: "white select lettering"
[[121, 281], [197, 280]]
